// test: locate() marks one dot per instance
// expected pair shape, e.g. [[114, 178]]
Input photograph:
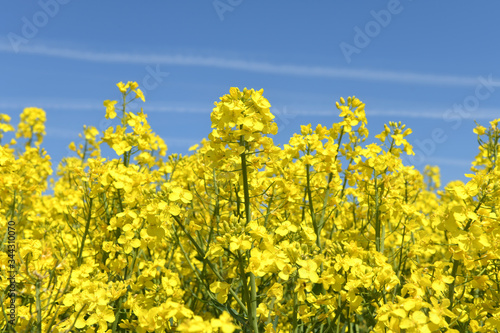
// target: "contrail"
[[79, 105], [244, 65]]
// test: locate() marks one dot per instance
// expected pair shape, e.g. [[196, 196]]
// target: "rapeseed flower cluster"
[[322, 234]]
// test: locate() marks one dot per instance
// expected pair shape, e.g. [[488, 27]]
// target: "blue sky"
[[431, 65]]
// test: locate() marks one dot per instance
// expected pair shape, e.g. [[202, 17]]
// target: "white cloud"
[[69, 135], [79, 105], [62, 133], [244, 65], [430, 114], [448, 161], [180, 142], [89, 106]]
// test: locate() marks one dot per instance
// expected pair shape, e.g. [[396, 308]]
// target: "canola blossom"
[[325, 233]]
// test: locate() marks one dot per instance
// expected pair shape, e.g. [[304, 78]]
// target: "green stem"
[[38, 307], [252, 313], [325, 201], [456, 263], [377, 217], [117, 319], [294, 316], [87, 226], [311, 208], [209, 264]]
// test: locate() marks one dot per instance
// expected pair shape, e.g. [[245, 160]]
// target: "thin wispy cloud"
[[79, 105], [63, 133], [88, 106], [449, 161], [49, 105], [434, 114], [421, 160], [180, 142], [243, 65], [488, 114]]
